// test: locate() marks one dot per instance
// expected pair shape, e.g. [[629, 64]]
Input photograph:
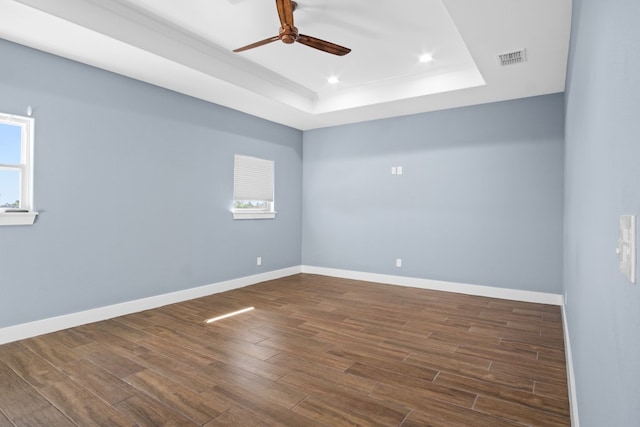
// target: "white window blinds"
[[252, 179]]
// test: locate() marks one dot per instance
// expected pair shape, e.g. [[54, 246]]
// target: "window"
[[16, 170], [252, 188]]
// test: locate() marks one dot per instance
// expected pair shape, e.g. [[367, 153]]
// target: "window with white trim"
[[253, 188], [16, 170]]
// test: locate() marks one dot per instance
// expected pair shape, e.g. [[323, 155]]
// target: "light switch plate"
[[627, 246]]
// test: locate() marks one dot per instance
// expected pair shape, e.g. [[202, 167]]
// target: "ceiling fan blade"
[[285, 12], [257, 44], [322, 45]]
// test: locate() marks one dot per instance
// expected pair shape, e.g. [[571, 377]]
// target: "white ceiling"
[[186, 46]]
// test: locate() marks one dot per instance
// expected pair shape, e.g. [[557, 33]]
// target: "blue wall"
[[134, 185], [480, 200], [602, 183]]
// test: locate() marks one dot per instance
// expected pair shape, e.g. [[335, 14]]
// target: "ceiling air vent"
[[515, 57]]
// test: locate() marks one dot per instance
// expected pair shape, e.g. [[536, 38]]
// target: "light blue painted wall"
[[134, 186], [602, 183], [480, 200]]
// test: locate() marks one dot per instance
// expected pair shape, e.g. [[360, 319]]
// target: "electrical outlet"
[[399, 170], [626, 249], [393, 170], [398, 262], [259, 261]]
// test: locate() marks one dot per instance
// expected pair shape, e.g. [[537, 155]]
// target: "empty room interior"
[[321, 213]]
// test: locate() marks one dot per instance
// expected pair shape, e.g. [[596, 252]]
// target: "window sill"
[[17, 218], [254, 215]]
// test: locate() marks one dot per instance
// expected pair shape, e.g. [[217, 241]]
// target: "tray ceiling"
[[187, 47]]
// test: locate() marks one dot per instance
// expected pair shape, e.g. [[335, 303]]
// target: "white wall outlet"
[[399, 170], [398, 262], [394, 170], [626, 249], [259, 261]]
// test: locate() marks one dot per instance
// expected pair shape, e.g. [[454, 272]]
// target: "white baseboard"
[[45, 326], [437, 285], [40, 327], [571, 379]]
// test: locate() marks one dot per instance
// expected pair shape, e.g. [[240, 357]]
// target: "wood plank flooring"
[[315, 351]]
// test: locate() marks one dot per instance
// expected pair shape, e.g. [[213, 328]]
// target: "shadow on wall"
[[526, 121]]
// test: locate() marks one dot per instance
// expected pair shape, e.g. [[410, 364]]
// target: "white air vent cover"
[[514, 57]]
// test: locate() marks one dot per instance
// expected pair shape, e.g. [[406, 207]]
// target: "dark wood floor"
[[315, 351]]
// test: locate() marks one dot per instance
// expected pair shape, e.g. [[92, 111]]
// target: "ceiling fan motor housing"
[[288, 34]]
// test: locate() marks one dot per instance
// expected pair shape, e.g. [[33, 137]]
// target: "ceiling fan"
[[289, 33]]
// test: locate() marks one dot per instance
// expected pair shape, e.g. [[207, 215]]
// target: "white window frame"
[[24, 214], [253, 180]]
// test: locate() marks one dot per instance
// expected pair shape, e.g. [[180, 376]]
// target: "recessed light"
[[425, 57], [333, 80]]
